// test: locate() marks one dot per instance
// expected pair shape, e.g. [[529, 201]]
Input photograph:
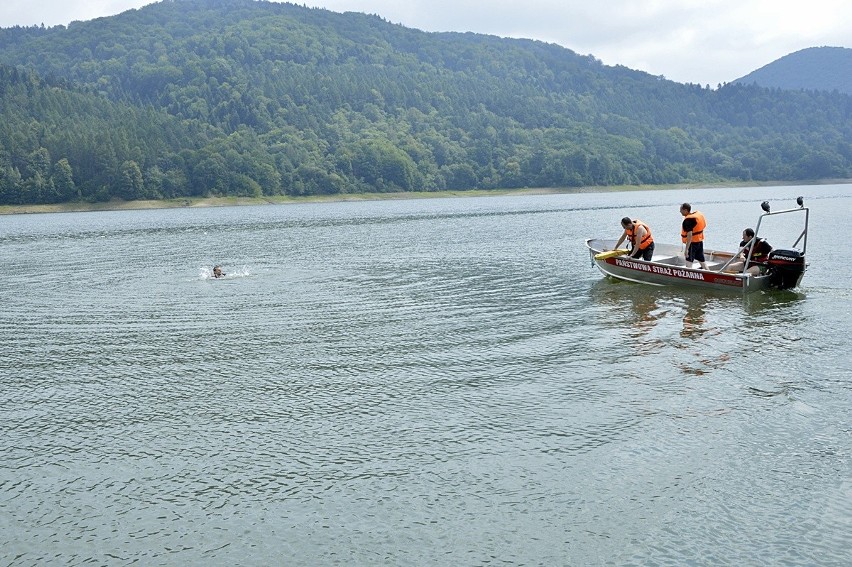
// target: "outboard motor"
[[786, 268]]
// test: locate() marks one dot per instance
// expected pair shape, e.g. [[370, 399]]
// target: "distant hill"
[[814, 69], [244, 97]]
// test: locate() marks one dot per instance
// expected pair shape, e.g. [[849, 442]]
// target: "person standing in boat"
[[692, 235], [639, 234], [759, 255]]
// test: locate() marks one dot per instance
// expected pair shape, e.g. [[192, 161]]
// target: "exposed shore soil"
[[190, 202]]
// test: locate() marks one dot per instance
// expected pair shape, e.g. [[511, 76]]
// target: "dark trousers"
[[695, 252], [644, 254]]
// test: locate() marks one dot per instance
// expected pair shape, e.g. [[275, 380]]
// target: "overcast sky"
[[690, 41]]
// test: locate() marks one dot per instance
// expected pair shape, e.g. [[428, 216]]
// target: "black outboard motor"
[[786, 268]]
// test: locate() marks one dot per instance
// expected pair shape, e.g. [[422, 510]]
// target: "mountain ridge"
[[815, 68]]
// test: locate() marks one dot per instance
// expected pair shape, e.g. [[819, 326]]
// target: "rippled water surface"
[[429, 382]]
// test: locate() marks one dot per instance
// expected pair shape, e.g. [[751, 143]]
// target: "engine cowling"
[[786, 268]]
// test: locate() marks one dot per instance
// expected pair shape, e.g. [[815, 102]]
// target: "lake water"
[[421, 382]]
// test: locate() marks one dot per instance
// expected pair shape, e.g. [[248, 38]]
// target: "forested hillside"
[[815, 68], [46, 128], [216, 97]]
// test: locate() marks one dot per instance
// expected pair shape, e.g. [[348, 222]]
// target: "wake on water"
[[206, 273]]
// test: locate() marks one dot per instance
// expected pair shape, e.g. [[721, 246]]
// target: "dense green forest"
[[251, 98]]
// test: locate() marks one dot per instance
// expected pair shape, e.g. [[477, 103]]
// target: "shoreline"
[[203, 202]]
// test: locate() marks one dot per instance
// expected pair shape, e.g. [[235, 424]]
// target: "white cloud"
[[56, 12]]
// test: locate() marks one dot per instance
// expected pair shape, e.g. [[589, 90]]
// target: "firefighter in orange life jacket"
[[692, 235], [639, 234]]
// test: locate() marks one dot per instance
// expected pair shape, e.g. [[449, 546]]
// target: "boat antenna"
[[765, 206]]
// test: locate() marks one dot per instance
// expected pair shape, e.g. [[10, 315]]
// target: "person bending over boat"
[[692, 235], [639, 234], [759, 255]]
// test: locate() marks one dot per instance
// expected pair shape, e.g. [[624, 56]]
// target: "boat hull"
[[667, 268]]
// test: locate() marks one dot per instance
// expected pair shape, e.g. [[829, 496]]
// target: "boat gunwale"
[[665, 274]]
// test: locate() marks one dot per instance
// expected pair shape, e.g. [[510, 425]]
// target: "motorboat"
[[784, 268]]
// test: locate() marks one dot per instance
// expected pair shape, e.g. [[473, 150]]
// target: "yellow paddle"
[[611, 253]]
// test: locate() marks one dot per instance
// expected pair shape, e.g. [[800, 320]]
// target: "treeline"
[[60, 145], [238, 97]]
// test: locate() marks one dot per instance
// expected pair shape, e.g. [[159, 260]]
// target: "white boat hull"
[[667, 268]]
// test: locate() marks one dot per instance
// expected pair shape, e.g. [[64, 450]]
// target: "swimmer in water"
[[217, 272]]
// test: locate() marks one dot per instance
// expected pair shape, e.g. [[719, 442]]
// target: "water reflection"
[[705, 349], [639, 310], [694, 318], [640, 303], [681, 323], [773, 301]]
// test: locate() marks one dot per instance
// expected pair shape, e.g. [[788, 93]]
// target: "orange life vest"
[[631, 234], [698, 231]]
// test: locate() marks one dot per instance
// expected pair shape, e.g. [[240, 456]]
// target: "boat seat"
[[668, 260]]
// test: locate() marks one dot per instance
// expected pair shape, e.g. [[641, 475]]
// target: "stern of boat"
[[786, 268]]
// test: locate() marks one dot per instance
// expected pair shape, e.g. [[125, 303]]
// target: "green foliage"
[[240, 97]]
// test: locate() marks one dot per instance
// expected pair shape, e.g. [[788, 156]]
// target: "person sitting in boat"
[[217, 272], [639, 235], [692, 235], [759, 255]]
